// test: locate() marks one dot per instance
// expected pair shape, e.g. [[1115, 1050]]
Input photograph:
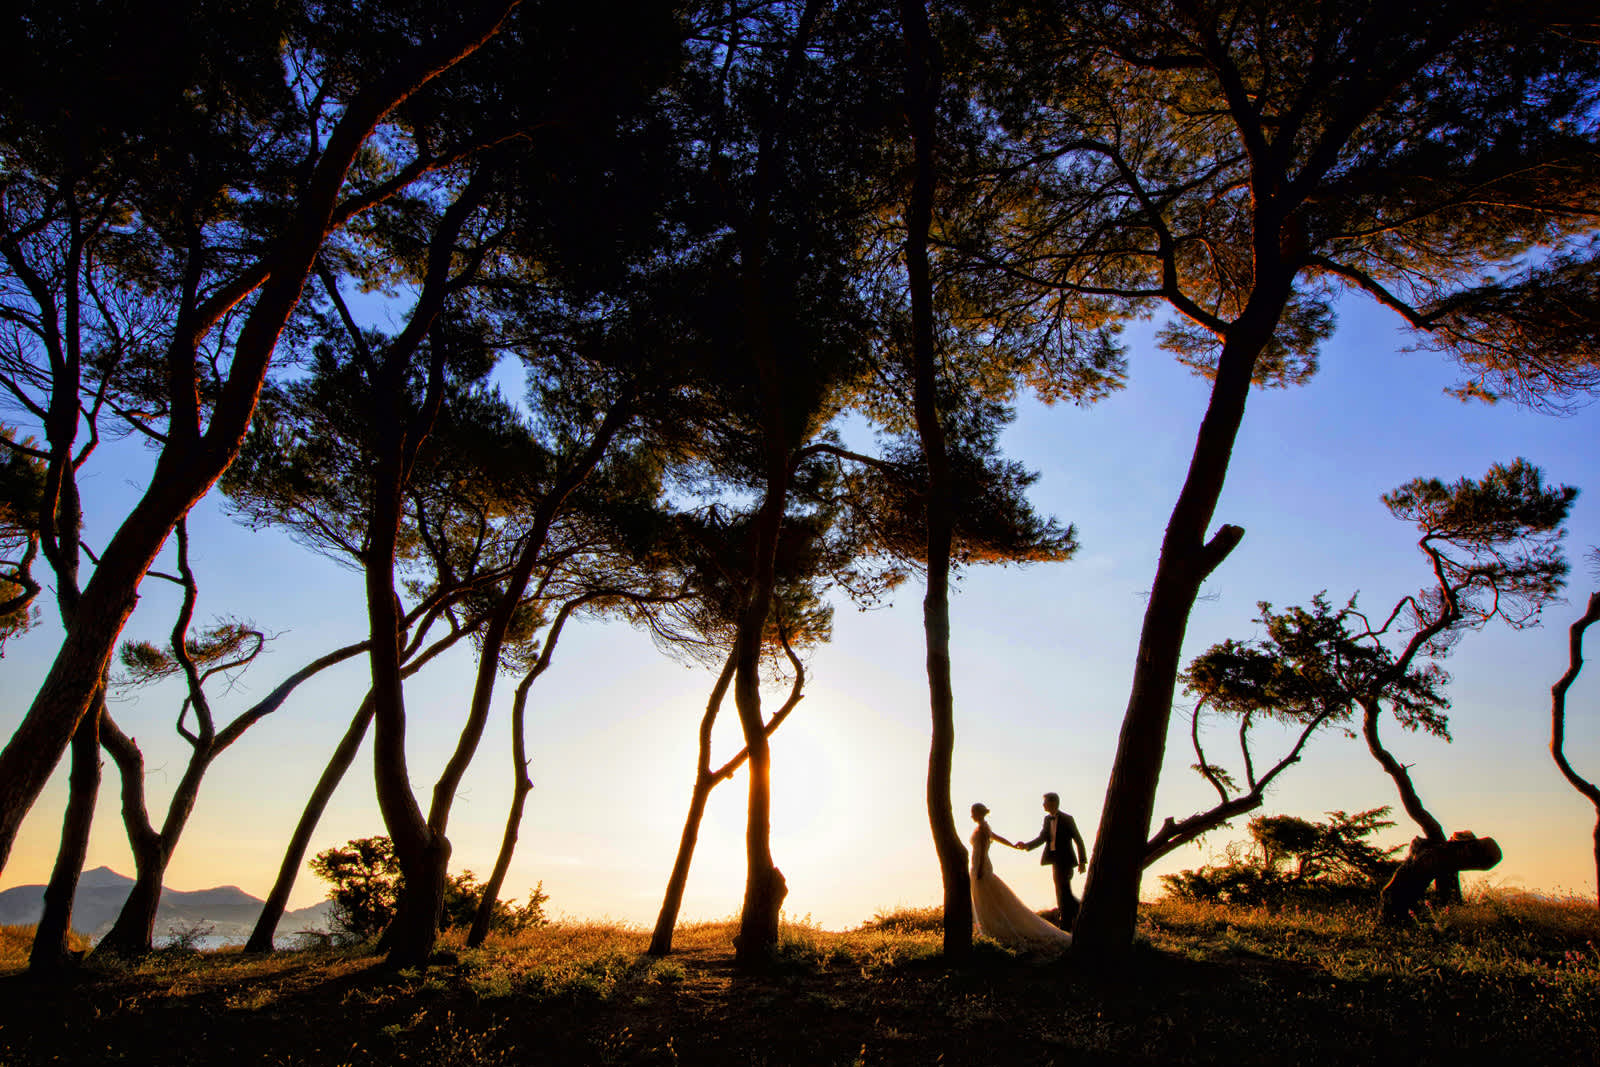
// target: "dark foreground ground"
[[1512, 982]]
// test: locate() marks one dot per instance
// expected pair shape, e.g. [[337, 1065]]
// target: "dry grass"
[[15, 941], [1502, 978]]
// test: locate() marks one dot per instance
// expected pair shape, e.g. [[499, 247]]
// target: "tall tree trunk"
[[922, 91], [50, 952], [344, 755], [409, 939], [1105, 927], [764, 887], [422, 856]]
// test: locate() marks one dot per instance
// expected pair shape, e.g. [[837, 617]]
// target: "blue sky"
[[1042, 655]]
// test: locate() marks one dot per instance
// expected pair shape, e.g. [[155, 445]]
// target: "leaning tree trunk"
[[344, 754], [672, 899], [922, 90], [1431, 861], [1106, 922], [1447, 888], [278, 899], [50, 952], [521, 786], [704, 782]]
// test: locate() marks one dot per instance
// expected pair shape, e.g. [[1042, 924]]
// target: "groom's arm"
[[1044, 835], [1077, 841]]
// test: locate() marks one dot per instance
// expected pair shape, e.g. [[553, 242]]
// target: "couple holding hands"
[[1000, 913]]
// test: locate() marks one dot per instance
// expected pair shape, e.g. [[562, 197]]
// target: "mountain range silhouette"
[[229, 910]]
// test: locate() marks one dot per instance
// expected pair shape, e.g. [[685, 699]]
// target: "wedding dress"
[[1000, 913]]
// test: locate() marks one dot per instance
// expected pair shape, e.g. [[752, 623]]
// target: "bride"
[[999, 912]]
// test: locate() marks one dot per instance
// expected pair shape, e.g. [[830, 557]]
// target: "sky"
[[1042, 663]]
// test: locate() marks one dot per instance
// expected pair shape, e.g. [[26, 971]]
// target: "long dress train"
[[1000, 913]]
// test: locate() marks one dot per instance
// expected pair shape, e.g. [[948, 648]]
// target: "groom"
[[1059, 837]]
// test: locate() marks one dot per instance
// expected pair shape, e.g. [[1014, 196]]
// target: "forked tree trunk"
[[133, 932], [706, 780], [431, 833], [50, 952]]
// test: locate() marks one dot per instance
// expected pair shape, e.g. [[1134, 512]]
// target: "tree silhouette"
[[204, 146], [365, 877], [1292, 678], [810, 556], [1493, 545], [1494, 548], [222, 650]]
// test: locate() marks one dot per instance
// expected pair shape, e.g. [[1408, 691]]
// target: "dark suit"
[[1061, 858]]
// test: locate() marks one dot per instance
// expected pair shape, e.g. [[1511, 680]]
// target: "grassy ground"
[[1507, 980]]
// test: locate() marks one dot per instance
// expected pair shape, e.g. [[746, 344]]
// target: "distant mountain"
[[229, 910]]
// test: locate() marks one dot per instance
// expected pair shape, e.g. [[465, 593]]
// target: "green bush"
[[366, 879], [1294, 860]]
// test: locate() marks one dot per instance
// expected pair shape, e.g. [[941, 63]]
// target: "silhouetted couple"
[[999, 912]]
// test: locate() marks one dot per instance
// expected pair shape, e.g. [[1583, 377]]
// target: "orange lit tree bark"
[[49, 953], [705, 780]]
